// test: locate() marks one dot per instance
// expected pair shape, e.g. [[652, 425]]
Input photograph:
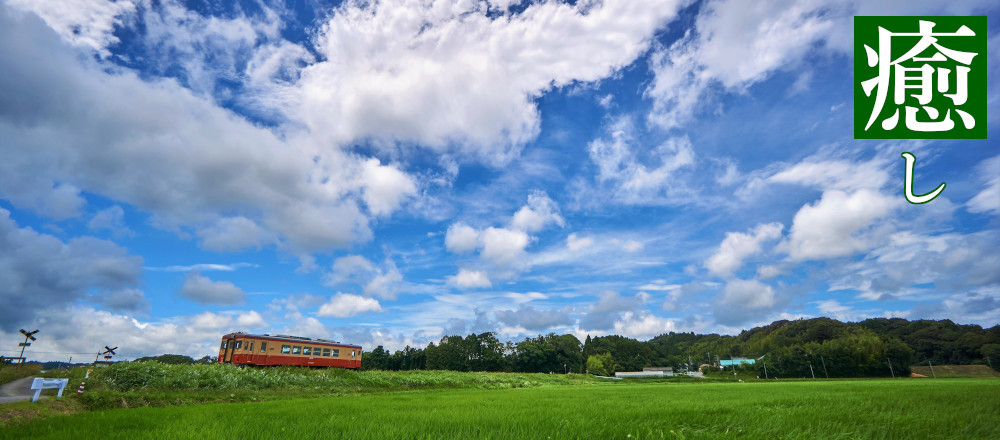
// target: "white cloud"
[[203, 267], [737, 246], [630, 180], [205, 291], [344, 306], [40, 271], [112, 219], [532, 319], [988, 200], [643, 325], [603, 314], [470, 279], [769, 271], [505, 248], [836, 174], [574, 243], [179, 157], [385, 187], [445, 75], [834, 226], [383, 282], [744, 300], [539, 212], [88, 23], [233, 234], [738, 43], [461, 238]]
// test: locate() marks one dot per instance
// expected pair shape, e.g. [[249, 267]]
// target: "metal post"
[[811, 370], [824, 366], [765, 370], [890, 368], [932, 369], [988, 362]]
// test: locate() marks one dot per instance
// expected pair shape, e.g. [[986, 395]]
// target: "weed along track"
[[871, 409]]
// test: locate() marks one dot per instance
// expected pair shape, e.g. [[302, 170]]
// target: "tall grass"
[[13, 372], [133, 376]]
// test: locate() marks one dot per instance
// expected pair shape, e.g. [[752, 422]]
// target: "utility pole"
[[824, 366], [932, 369], [890, 368], [765, 370], [988, 362], [811, 371]]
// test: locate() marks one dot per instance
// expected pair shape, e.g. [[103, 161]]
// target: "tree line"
[[819, 346]]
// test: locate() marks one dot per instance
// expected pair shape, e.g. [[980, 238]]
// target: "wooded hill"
[[786, 348]]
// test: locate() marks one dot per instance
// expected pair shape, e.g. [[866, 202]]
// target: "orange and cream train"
[[246, 349]]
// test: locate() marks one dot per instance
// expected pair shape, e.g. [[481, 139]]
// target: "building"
[[736, 361], [667, 371]]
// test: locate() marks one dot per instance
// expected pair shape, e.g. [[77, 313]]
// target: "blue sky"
[[388, 173]]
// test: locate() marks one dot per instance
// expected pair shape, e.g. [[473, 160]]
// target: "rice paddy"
[[848, 409]]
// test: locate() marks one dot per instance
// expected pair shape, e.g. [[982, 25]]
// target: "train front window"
[[239, 344], [224, 343], [296, 349], [285, 349], [307, 351], [263, 347], [326, 352]]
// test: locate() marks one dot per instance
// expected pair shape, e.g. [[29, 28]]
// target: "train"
[[269, 350]]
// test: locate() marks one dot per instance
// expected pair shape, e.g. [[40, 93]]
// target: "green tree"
[[601, 364]]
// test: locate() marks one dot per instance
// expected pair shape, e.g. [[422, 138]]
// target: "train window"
[[250, 348], [285, 349], [336, 352], [352, 353], [239, 344], [307, 351], [263, 347], [326, 352], [317, 351], [224, 345], [296, 349]]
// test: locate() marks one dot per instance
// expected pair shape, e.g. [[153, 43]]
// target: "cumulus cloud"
[[532, 319], [470, 279], [67, 329], [344, 305], [204, 291], [643, 325], [603, 314], [737, 246], [39, 271], [461, 238], [539, 212], [834, 226], [393, 70], [179, 157], [112, 219], [124, 300], [383, 282], [744, 300]]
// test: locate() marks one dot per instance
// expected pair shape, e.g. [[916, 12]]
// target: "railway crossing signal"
[[27, 335], [108, 352]]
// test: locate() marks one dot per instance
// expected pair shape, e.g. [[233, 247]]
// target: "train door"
[[227, 356]]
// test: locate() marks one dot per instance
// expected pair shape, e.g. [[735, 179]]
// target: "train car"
[[247, 349]]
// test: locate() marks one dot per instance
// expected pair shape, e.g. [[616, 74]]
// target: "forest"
[[785, 348]]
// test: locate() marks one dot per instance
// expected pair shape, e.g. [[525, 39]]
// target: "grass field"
[[862, 409]]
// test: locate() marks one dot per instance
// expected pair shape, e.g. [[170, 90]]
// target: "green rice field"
[[848, 409]]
